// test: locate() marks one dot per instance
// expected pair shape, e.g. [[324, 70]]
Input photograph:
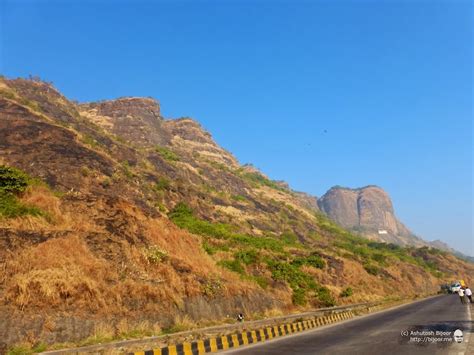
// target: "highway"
[[392, 331]]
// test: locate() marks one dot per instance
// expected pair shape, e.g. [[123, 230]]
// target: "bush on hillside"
[[372, 269], [347, 292], [232, 265], [313, 260], [12, 180], [11, 207], [183, 216], [247, 256], [166, 153]]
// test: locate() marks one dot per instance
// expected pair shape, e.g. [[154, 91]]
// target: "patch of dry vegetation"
[[67, 273], [56, 216], [58, 272]]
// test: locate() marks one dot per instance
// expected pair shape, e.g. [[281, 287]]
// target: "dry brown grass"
[[189, 255], [104, 330], [182, 323], [64, 272], [57, 272], [55, 286], [102, 121], [283, 197], [124, 328], [273, 312], [57, 216]]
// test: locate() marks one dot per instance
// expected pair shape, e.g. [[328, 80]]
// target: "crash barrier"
[[244, 338], [216, 338]]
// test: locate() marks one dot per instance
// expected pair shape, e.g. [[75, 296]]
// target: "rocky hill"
[[369, 211], [116, 222]]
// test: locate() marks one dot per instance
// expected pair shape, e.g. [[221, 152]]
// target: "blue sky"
[[317, 93]]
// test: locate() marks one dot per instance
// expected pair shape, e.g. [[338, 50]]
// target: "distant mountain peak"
[[367, 210]]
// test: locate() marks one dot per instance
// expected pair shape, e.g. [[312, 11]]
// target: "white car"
[[455, 287]]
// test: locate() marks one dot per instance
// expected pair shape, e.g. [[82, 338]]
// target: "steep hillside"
[[116, 221]]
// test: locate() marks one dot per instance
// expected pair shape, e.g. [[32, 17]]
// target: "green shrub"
[[20, 350], [239, 198], [313, 260], [13, 180], [90, 141], [155, 255], [260, 242], [247, 256], [347, 292], [380, 258], [217, 165], [212, 286], [261, 281], [299, 297], [106, 182], [289, 238], [162, 184], [435, 251], [26, 350], [11, 207], [181, 210], [368, 251], [85, 171], [210, 249], [166, 153], [127, 170], [257, 179], [39, 348], [183, 216], [161, 207], [299, 281], [232, 265], [325, 297], [372, 269]]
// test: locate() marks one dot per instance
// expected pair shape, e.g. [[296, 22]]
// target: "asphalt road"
[[383, 333]]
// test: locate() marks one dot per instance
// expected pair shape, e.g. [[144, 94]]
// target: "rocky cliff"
[[134, 119], [369, 211]]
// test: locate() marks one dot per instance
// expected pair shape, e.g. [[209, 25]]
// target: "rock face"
[[189, 137], [369, 211], [341, 206], [135, 119]]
